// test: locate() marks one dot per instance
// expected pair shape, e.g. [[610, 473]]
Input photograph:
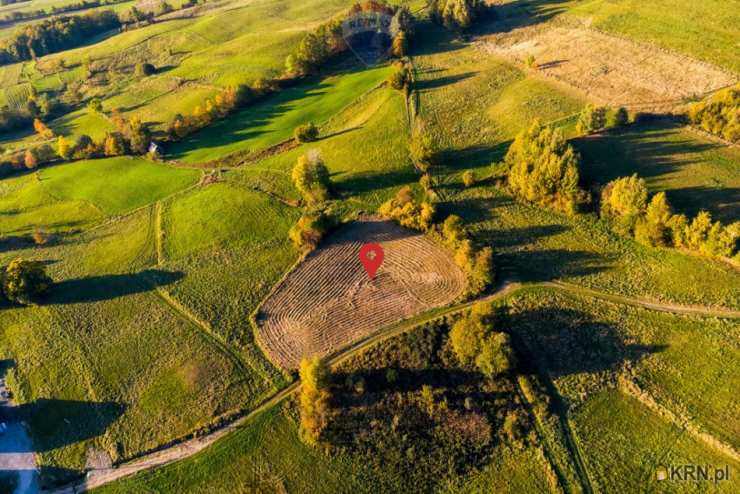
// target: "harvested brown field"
[[609, 69], [328, 301]]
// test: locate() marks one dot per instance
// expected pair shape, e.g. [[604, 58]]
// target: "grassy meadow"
[[273, 120], [118, 384], [146, 336], [694, 172], [705, 30], [267, 454]]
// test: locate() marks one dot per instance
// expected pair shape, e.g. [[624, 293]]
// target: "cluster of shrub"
[[625, 206], [401, 77], [719, 114], [597, 118], [327, 41], [477, 344], [23, 281], [56, 34], [310, 229], [407, 212], [456, 15], [307, 132], [476, 263]]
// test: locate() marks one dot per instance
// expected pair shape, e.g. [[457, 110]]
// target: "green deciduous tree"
[[64, 148], [543, 168], [591, 119], [719, 114], [23, 281], [476, 342], [623, 201], [496, 355], [311, 178], [422, 148], [407, 212]]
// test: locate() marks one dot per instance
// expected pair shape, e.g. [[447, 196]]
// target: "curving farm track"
[[328, 301]]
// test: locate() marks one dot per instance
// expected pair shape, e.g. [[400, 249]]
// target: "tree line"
[[542, 167], [326, 41], [719, 114], [57, 34], [626, 208], [55, 9]]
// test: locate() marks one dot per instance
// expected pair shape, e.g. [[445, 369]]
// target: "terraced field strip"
[[328, 301], [610, 69]]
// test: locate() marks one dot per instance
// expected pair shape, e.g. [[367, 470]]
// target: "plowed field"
[[329, 301]]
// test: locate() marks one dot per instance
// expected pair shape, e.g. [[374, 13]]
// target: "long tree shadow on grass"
[[722, 202], [248, 122], [407, 381], [651, 150], [425, 85], [564, 342], [514, 15], [57, 423], [106, 287], [350, 183], [548, 264], [455, 160]]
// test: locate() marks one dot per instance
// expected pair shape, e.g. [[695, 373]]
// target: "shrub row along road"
[[190, 447]]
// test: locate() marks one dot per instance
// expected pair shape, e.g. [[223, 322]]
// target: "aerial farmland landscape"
[[342, 246]]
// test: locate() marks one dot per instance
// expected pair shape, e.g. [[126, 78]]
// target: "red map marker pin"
[[371, 257]]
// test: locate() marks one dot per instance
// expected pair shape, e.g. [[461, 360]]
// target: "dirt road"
[[190, 447]]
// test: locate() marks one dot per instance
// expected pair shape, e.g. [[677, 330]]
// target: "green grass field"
[[365, 149], [584, 347], [115, 185], [694, 172], [247, 232], [451, 74], [117, 384], [267, 453], [705, 30], [146, 336], [534, 244], [625, 442], [25, 204], [588, 343], [273, 120]]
